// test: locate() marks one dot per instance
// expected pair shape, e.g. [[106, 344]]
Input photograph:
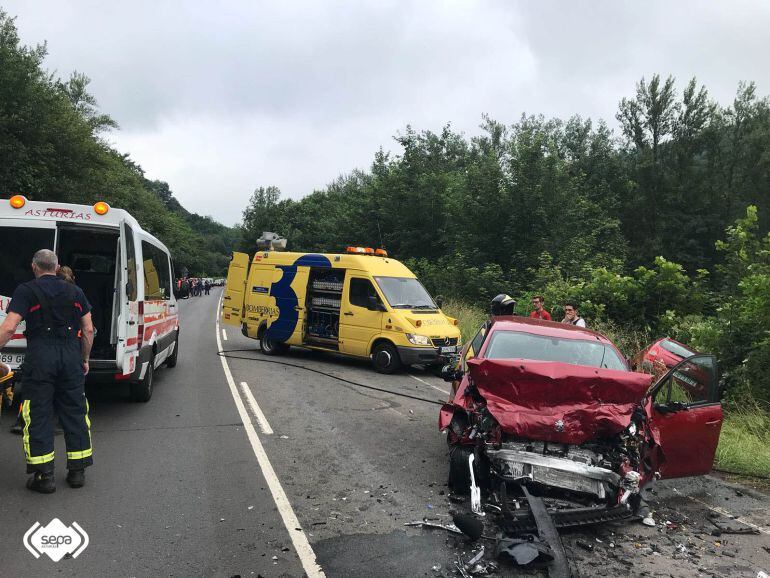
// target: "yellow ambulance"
[[360, 303]]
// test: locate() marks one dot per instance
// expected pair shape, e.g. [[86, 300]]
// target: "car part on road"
[[548, 533], [426, 524], [475, 490], [469, 524]]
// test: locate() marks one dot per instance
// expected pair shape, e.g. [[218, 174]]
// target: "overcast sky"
[[219, 98]]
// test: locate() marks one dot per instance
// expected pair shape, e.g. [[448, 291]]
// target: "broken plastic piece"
[[523, 552], [475, 490], [425, 524], [469, 525]]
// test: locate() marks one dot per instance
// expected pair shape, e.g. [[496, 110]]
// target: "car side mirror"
[[439, 301]]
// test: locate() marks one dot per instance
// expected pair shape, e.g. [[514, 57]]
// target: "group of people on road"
[[192, 287]]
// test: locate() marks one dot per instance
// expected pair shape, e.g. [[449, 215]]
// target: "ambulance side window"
[[131, 287]]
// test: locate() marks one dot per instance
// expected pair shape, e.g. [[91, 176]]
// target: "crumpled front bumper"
[[515, 465]]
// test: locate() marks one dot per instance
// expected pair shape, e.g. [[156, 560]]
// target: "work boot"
[[42, 482], [76, 478], [18, 427]]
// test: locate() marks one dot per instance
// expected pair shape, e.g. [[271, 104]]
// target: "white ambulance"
[[126, 274]]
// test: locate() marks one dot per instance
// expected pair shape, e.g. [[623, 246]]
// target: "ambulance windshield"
[[405, 293]]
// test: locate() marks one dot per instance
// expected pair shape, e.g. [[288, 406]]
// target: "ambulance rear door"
[[19, 240], [127, 304]]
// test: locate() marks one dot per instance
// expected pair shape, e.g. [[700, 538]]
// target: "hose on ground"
[[226, 353]]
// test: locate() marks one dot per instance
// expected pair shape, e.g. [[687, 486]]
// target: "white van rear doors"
[[128, 305]]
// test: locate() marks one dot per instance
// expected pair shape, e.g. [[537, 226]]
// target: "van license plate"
[[452, 349], [12, 359]]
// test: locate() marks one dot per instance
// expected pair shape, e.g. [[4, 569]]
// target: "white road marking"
[[224, 335], [261, 419], [296, 533], [428, 384], [727, 514]]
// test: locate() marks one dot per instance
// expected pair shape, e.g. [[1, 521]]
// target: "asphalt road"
[[296, 469]]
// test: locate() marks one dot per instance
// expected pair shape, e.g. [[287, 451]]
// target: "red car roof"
[[546, 328]]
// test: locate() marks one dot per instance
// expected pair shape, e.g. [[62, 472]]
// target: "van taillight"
[[140, 326]]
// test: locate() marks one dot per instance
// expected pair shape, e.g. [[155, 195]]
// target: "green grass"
[[744, 444], [470, 317]]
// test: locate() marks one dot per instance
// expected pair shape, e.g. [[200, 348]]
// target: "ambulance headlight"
[[418, 339]]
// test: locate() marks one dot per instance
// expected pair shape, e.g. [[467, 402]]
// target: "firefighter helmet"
[[502, 305]]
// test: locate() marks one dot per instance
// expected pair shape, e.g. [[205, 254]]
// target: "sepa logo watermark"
[[56, 540]]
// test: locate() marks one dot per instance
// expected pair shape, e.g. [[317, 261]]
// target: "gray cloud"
[[219, 99]]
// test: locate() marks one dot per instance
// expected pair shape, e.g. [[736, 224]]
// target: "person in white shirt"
[[571, 315]]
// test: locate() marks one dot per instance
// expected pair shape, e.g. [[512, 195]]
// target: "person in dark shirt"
[[539, 312], [59, 334]]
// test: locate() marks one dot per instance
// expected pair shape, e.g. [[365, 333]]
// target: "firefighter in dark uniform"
[[59, 336]]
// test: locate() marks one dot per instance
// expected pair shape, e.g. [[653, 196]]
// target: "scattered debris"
[[584, 545], [469, 524], [426, 524], [523, 551]]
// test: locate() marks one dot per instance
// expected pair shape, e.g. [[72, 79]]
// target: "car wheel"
[[271, 347], [460, 475], [141, 391], [385, 358], [171, 360]]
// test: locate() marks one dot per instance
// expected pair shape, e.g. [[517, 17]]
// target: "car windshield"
[[516, 345], [405, 293], [676, 348]]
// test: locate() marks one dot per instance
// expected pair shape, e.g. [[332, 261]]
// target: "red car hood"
[[558, 402]]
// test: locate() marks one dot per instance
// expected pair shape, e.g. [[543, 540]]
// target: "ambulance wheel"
[[142, 390], [385, 358], [171, 360], [270, 347]]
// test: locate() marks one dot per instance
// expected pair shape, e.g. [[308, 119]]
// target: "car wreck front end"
[[575, 435]]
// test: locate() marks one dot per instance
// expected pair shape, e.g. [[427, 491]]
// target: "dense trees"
[[627, 224], [51, 148]]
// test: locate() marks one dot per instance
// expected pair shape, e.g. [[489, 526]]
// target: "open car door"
[[686, 417], [235, 289]]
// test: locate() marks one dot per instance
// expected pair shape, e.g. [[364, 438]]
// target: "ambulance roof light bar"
[[366, 251], [18, 201]]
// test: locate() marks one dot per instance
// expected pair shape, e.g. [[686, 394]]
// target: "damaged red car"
[[558, 409]]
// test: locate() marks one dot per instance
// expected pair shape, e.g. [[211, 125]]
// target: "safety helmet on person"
[[502, 304]]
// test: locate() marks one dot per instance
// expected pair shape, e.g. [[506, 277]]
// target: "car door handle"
[[348, 313]]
